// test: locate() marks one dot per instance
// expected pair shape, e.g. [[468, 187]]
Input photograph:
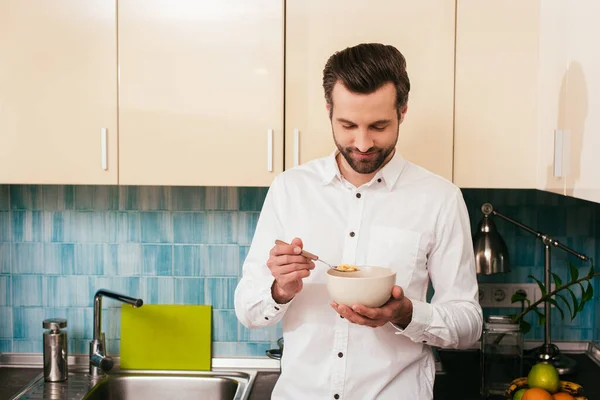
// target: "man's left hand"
[[397, 310]]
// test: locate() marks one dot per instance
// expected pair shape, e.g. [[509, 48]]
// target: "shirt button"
[[352, 234], [340, 354], [277, 308], [379, 180], [267, 318], [341, 316], [358, 195], [336, 396]]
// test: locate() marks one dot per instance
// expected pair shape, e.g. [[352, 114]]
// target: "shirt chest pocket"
[[398, 249]]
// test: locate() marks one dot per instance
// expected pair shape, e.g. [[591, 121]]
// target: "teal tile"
[[27, 322], [205, 228], [59, 258], [5, 226], [57, 197], [220, 292], [221, 198], [157, 290], [241, 349], [4, 198], [247, 222], [96, 198], [67, 291], [90, 259], [5, 258], [5, 290], [6, 346], [154, 198], [27, 290], [28, 258], [6, 323], [206, 260], [128, 227], [114, 347], [224, 326], [129, 198], [80, 321], [26, 197], [157, 260], [189, 291], [266, 334], [27, 226], [93, 227], [188, 198], [156, 227], [251, 198], [123, 260], [27, 346], [58, 226]]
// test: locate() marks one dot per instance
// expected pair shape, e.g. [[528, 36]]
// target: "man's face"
[[365, 126]]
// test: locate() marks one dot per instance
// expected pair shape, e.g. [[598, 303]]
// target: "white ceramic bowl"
[[371, 286]]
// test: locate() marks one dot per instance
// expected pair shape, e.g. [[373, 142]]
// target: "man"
[[362, 205]]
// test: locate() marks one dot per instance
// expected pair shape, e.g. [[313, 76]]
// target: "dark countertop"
[[462, 378]]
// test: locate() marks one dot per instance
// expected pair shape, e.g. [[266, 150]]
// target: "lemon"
[[519, 394], [544, 376]]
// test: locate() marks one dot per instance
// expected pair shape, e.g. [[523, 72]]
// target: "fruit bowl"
[[571, 388]]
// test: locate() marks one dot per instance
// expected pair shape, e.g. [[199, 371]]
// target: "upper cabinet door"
[[496, 115], [582, 83], [423, 31], [58, 92], [201, 92]]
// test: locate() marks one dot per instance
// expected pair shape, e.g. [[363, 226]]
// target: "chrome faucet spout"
[[99, 361]]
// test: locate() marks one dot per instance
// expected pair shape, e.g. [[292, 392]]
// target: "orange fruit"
[[544, 376], [562, 396], [536, 394]]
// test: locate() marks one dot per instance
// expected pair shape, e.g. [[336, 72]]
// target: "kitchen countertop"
[[462, 377]]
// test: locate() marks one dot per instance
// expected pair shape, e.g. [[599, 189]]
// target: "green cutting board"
[[166, 337]]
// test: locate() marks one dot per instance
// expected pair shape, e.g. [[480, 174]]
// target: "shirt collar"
[[389, 174]]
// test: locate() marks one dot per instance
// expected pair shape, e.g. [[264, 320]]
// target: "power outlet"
[[498, 295]]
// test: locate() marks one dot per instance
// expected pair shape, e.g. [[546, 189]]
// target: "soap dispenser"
[[56, 368]]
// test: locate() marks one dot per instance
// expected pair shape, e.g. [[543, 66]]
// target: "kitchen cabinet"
[[422, 30], [201, 92], [496, 94], [58, 92]]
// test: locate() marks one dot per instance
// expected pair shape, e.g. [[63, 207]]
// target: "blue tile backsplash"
[[186, 245]]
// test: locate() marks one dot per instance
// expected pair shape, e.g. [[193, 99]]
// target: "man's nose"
[[363, 141]]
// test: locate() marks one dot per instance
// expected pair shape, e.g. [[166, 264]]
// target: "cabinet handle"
[[270, 150], [296, 147], [104, 150], [562, 151]]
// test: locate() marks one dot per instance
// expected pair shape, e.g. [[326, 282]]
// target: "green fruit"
[[544, 376], [519, 394]]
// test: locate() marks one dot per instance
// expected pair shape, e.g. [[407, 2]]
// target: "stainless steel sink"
[[127, 386], [146, 385]]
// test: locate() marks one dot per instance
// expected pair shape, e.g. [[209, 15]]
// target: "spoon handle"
[[304, 252]]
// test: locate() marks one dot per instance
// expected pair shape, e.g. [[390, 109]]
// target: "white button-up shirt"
[[405, 218]]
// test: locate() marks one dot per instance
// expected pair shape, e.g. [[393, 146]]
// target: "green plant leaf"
[[574, 272], [541, 317], [566, 302], [518, 297], [589, 293], [524, 326], [540, 284], [591, 270], [557, 280], [555, 304], [575, 304]]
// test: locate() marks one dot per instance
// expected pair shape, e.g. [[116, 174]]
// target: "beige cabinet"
[[496, 94], [422, 30], [58, 92], [201, 92]]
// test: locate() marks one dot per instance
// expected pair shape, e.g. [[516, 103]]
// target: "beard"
[[365, 165]]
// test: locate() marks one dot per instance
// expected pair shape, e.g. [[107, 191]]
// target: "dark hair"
[[364, 69]]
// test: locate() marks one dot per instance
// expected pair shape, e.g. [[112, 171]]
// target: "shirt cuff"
[[272, 309], [421, 319]]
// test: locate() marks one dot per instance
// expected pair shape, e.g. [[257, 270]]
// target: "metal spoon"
[[313, 257]]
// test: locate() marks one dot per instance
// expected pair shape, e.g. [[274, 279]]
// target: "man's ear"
[[403, 113]]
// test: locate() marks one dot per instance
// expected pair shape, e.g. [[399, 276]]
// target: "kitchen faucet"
[[99, 361]]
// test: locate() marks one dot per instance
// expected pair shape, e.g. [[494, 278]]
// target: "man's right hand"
[[288, 267]]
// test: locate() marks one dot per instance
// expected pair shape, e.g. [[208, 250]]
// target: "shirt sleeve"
[[254, 303], [454, 317]]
